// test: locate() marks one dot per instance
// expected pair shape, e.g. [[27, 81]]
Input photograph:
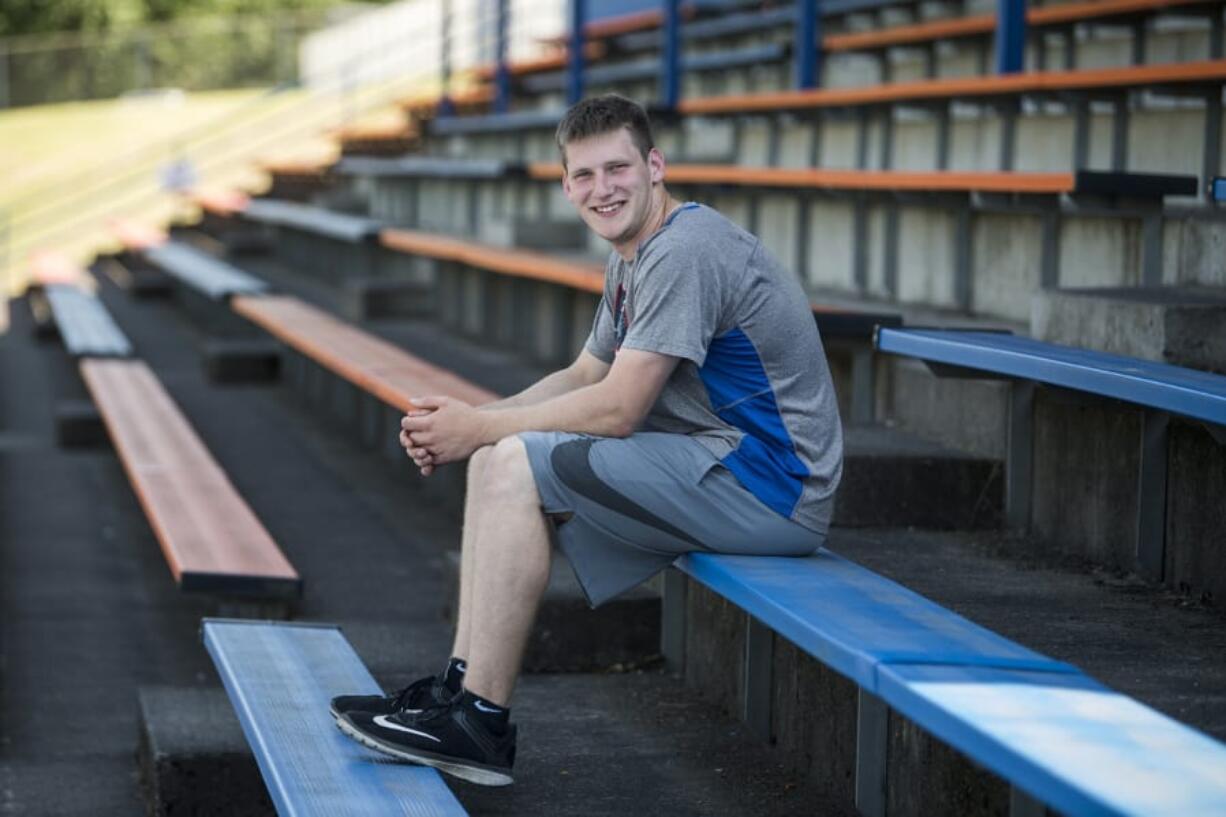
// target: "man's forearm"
[[548, 387], [588, 409]]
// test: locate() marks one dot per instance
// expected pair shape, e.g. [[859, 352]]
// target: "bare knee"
[[478, 462], [507, 474]]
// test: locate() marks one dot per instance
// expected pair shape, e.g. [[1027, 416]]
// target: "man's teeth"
[[608, 208]]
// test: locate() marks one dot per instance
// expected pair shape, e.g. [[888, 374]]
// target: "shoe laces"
[[406, 695]]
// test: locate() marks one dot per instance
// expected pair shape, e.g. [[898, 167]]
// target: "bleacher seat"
[[280, 678]]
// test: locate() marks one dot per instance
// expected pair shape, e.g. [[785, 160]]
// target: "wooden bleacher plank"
[[981, 24], [1188, 392], [374, 365], [935, 181], [1070, 742], [211, 538], [280, 678], [136, 237], [585, 276], [221, 203], [1206, 71], [900, 180]]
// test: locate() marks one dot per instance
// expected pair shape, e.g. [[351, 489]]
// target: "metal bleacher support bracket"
[[672, 613], [872, 740], [1019, 454], [1022, 804], [1151, 496], [759, 672], [863, 384], [1211, 164], [808, 54]]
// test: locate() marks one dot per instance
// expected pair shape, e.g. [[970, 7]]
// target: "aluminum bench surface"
[[1188, 392], [853, 619], [341, 226], [280, 678], [1076, 745], [496, 122], [427, 167], [648, 68], [85, 326], [211, 276], [1039, 723]]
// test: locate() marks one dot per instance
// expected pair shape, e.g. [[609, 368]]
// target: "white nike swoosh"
[[386, 724], [485, 708]]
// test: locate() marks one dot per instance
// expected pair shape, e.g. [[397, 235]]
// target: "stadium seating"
[[931, 189], [213, 542]]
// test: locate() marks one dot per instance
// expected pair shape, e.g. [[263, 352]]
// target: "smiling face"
[[617, 191]]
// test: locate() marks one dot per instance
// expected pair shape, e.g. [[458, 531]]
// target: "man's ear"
[[655, 162]]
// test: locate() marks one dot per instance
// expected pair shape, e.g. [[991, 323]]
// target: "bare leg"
[[468, 549], [507, 569]]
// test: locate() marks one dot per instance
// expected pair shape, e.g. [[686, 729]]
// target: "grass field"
[[67, 171]]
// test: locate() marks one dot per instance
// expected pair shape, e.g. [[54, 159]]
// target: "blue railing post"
[[670, 71], [445, 108], [574, 68], [1010, 36], [808, 53], [502, 76]]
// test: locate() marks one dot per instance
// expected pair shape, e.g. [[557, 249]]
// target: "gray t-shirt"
[[753, 384]]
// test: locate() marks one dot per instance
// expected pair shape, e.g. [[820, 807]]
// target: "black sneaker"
[[421, 694], [450, 737]]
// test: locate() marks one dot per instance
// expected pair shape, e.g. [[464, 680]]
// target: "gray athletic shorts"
[[625, 508]]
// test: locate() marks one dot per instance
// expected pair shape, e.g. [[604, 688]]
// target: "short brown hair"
[[603, 114]]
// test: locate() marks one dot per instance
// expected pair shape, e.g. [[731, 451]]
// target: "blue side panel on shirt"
[[739, 390]]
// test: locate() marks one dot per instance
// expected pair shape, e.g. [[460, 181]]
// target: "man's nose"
[[603, 184]]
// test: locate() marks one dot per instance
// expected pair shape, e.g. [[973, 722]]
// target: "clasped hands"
[[439, 430]]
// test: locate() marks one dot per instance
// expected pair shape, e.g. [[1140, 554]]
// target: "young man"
[[699, 416]]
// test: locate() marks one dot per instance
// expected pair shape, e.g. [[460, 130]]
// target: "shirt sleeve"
[[601, 341], [675, 304]]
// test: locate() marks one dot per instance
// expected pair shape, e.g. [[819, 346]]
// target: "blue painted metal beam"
[[1010, 36], [808, 36], [670, 69], [502, 75], [574, 67], [445, 108], [1188, 392], [1217, 189]]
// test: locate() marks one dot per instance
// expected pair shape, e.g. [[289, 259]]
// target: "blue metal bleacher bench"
[[1057, 736], [84, 324], [212, 277], [280, 677], [429, 167], [1160, 389], [338, 226]]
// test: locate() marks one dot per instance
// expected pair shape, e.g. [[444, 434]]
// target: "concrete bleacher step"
[[1183, 326], [192, 756], [569, 636], [895, 479], [588, 735]]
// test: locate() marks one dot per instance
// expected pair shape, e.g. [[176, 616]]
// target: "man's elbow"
[[625, 420]]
